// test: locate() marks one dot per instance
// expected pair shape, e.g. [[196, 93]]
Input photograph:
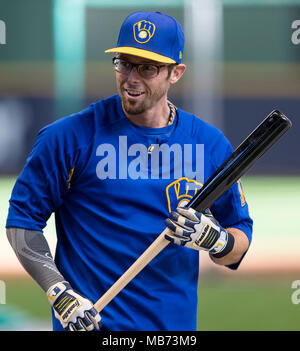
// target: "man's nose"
[[133, 75]]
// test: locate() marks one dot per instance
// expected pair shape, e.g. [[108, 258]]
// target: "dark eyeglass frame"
[[137, 65]]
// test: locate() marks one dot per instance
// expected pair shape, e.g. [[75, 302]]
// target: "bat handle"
[[152, 251]]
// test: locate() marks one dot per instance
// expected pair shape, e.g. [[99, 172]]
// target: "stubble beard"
[[138, 107], [133, 107]]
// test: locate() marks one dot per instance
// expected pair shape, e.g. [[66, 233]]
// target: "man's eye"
[[149, 68], [124, 64]]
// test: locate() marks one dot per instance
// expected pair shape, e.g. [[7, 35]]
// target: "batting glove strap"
[[226, 249]]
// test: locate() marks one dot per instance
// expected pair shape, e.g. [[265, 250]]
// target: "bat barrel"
[[245, 155]]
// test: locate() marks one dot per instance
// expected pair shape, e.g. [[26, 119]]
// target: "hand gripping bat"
[[245, 155]]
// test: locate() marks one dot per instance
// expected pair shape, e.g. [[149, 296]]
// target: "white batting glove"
[[196, 230], [75, 312]]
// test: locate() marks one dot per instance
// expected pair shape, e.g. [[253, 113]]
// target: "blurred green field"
[[26, 295], [248, 304], [229, 301], [224, 304]]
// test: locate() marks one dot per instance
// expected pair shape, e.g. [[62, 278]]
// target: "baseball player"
[[114, 174]]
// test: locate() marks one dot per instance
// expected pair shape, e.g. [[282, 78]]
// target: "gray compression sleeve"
[[34, 254]]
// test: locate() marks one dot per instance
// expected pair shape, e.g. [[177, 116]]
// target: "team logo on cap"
[[143, 31]]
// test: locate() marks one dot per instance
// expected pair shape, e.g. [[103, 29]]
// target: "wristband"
[[227, 248]]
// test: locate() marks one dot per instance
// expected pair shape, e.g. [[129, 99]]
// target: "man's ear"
[[177, 73]]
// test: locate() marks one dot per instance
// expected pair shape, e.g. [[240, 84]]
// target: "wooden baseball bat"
[[245, 155]]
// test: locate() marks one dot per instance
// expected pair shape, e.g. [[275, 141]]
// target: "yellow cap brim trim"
[[141, 53]]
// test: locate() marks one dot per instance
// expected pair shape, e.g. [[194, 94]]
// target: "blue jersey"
[[111, 184]]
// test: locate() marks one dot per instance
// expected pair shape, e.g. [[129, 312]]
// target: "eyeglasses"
[[145, 70]]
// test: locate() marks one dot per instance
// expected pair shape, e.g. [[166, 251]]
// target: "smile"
[[134, 93]]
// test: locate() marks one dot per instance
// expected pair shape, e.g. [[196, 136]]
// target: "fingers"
[[177, 240], [90, 321], [177, 229], [178, 234], [182, 224], [193, 229], [78, 326], [190, 213], [95, 318]]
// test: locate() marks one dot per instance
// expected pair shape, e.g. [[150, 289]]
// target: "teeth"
[[134, 93]]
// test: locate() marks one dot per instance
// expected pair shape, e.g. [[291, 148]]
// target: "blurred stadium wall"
[[242, 64]]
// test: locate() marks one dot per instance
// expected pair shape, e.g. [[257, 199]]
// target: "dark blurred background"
[[241, 61]]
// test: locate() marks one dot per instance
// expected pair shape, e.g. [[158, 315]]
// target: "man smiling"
[[143, 86], [111, 174]]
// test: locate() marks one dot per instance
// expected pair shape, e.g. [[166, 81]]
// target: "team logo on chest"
[[180, 192]]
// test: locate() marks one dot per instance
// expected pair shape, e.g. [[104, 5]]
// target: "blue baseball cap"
[[151, 35]]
